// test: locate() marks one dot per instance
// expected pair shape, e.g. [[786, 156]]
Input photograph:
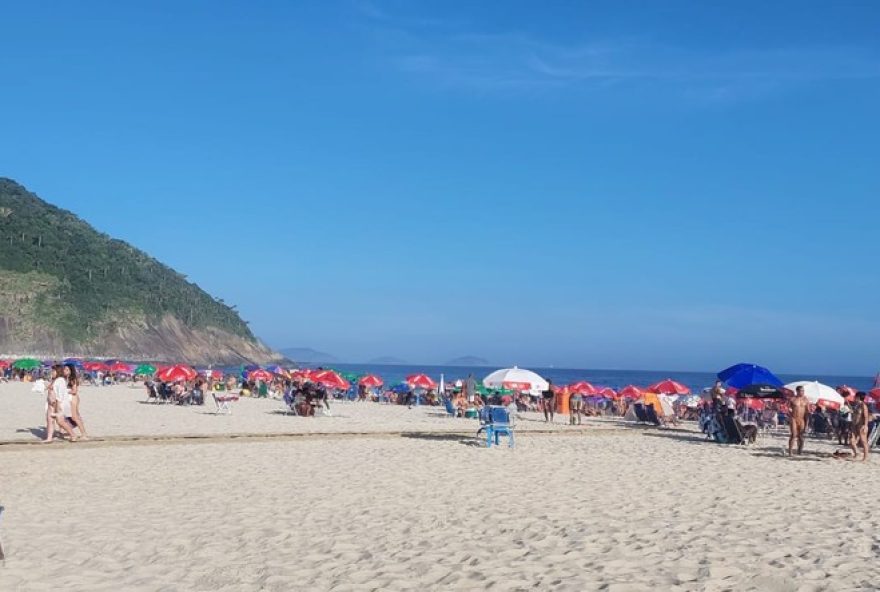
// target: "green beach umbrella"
[[26, 364], [145, 369]]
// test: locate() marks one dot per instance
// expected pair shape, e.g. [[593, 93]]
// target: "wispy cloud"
[[453, 55]]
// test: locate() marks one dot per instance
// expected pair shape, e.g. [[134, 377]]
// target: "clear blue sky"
[[615, 184]]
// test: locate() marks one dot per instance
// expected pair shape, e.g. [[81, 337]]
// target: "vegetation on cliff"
[[56, 270]]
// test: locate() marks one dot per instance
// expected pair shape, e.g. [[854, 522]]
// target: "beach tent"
[[818, 393], [660, 402], [517, 379]]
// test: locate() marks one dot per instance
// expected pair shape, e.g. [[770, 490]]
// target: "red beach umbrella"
[[630, 392], [371, 381], [330, 379], [669, 387], [420, 381], [583, 388], [5, 364], [176, 372], [874, 394], [96, 366], [261, 374], [120, 367], [608, 393]]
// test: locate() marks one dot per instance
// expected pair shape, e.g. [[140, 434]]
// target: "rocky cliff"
[[66, 289]]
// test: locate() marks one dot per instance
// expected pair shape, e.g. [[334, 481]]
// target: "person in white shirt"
[[58, 406]]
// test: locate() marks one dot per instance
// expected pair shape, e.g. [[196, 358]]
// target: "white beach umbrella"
[[517, 379], [818, 393]]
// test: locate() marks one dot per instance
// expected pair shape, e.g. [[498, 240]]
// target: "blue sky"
[[676, 185]]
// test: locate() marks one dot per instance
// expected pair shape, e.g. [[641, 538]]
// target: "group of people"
[[63, 404]]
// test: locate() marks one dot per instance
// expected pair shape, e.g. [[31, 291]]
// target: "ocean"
[[613, 378]]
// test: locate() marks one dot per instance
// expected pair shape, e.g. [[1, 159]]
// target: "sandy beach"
[[385, 498]]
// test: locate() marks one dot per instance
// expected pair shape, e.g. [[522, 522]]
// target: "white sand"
[[627, 509]]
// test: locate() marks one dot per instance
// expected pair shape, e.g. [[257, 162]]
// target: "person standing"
[[549, 402], [859, 427], [798, 409], [575, 404], [470, 388]]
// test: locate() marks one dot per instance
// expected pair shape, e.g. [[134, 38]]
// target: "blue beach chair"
[[450, 408], [496, 421]]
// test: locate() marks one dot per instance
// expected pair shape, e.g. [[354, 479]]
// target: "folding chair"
[[223, 403]]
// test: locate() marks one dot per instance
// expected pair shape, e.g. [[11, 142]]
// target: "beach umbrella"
[[260, 374], [583, 388], [630, 392], [371, 381], [330, 379], [95, 366], [5, 363], [874, 394], [276, 369], [422, 381], [120, 368], [301, 374], [145, 369], [441, 388], [669, 387], [75, 362], [560, 389], [517, 379], [400, 388], [761, 391], [818, 393], [608, 393], [26, 364], [741, 375], [176, 372]]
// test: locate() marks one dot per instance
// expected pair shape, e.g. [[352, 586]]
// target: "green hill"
[[66, 288]]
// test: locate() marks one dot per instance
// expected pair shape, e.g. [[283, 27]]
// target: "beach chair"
[[731, 429], [450, 408], [152, 393], [223, 403], [651, 415], [2, 555], [498, 423], [640, 412], [874, 435]]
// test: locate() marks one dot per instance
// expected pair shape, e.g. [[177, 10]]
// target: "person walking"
[[859, 427], [73, 391], [57, 406]]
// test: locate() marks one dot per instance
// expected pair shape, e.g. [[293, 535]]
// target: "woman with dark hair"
[[73, 391], [57, 406]]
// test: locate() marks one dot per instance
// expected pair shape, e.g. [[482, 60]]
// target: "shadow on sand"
[[460, 438]]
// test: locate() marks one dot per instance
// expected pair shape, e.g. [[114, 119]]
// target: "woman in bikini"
[[57, 406], [73, 390]]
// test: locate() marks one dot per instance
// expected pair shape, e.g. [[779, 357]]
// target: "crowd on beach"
[[721, 412]]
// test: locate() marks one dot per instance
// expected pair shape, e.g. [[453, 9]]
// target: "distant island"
[[68, 290], [468, 361], [387, 361], [307, 355]]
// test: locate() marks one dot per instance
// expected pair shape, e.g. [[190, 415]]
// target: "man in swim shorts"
[[549, 402], [798, 409]]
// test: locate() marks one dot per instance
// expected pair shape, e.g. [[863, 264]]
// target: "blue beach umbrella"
[[742, 375], [75, 362]]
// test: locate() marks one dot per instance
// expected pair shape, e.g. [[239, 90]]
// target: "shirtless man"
[[859, 427], [549, 402], [798, 410]]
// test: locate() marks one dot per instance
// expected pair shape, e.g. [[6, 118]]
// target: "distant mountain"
[[388, 361], [68, 290], [468, 361], [307, 355]]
